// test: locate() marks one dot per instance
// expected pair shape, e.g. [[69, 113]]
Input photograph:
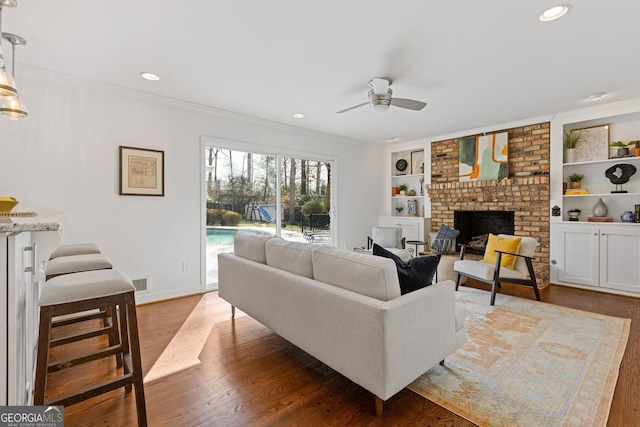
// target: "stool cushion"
[[76, 264], [75, 249], [84, 286]]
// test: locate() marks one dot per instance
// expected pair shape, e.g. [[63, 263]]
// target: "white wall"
[[64, 157]]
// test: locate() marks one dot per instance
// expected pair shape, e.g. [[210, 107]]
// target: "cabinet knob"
[[595, 234], [554, 262]]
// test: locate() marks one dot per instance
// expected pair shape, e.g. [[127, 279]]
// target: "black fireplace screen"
[[476, 225]]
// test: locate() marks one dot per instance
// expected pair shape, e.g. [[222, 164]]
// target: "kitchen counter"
[[46, 222]]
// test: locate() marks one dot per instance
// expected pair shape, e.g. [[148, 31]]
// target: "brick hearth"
[[526, 191]]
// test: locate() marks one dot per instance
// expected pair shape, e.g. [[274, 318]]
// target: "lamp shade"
[[13, 109], [8, 89]]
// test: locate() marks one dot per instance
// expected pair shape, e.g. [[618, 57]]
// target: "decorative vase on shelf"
[[412, 208], [600, 209], [570, 155], [627, 216]]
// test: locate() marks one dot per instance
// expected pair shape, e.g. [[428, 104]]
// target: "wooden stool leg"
[[136, 359], [42, 360], [111, 321]]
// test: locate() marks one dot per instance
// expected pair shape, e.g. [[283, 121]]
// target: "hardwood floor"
[[203, 368]]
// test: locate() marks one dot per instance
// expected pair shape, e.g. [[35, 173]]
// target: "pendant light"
[[8, 89], [13, 109], [11, 105]]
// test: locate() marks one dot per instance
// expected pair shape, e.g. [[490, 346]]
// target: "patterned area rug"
[[528, 363]]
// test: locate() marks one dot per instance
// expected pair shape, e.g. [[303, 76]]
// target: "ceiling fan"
[[380, 98]]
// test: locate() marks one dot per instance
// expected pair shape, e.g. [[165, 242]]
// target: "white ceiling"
[[475, 63]]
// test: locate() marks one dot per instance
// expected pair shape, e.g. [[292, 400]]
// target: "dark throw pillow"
[[414, 274]]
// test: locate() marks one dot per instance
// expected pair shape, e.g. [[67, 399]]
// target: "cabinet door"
[[20, 263], [579, 255], [620, 258]]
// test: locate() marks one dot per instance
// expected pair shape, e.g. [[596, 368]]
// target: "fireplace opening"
[[475, 226]]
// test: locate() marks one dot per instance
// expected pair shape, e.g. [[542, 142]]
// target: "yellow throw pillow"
[[506, 244]]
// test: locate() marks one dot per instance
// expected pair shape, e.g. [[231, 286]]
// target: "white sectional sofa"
[[343, 308]]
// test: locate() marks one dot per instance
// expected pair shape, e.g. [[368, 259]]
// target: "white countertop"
[[45, 222]]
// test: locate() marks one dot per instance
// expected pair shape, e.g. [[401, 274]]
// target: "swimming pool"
[[224, 236]]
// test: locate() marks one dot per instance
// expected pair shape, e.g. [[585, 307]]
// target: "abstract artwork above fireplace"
[[484, 158]]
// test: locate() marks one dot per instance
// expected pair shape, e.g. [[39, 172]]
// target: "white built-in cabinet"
[[604, 256], [21, 276], [596, 255]]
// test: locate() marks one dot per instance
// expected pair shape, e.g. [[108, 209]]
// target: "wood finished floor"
[[203, 368]]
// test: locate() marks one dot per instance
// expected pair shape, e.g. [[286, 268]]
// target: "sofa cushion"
[[414, 274], [404, 254], [294, 257], [251, 246], [372, 276]]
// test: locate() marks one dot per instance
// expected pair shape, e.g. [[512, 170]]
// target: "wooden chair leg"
[[494, 288], [378, 403]]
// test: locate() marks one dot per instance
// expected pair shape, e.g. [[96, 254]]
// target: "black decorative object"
[[401, 166], [555, 211], [619, 174]]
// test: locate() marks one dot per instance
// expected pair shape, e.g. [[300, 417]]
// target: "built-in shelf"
[[602, 195], [595, 162], [408, 175]]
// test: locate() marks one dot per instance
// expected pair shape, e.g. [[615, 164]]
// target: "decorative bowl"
[[7, 205]]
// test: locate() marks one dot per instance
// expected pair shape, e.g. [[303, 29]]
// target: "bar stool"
[[69, 264], [76, 264], [75, 249], [79, 292]]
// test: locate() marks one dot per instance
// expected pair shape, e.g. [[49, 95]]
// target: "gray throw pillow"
[[445, 242], [414, 274]]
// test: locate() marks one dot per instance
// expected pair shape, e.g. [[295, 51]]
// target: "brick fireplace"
[[525, 192]]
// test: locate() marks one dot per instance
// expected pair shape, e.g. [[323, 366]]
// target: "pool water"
[[223, 236], [220, 236]]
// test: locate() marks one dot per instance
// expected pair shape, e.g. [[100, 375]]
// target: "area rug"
[[528, 363]]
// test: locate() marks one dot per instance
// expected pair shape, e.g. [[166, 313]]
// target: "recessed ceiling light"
[[555, 12], [595, 96], [150, 76], [298, 116]]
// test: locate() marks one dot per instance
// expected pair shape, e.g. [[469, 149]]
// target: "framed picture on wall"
[[417, 162], [593, 144], [141, 172]]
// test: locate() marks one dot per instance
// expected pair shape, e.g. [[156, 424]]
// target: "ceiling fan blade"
[[379, 85], [409, 104], [352, 108]]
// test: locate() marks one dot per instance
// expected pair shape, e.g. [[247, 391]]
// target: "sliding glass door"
[[263, 193]]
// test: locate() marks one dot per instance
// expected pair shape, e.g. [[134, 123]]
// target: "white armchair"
[[386, 237], [522, 272]]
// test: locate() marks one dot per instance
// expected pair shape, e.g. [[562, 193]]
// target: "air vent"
[[141, 284]]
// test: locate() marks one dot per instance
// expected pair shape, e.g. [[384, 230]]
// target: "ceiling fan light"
[[8, 88], [379, 107], [14, 109]]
